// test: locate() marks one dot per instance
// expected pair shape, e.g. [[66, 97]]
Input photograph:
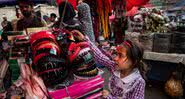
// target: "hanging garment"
[[84, 15], [104, 10]]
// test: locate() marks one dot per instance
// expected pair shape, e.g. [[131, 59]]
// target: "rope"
[[61, 22]]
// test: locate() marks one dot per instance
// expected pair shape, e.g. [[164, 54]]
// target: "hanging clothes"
[[104, 10], [94, 16], [84, 15]]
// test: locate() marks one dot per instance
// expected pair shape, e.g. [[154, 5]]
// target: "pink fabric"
[[79, 88]]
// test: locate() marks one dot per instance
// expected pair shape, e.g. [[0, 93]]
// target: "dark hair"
[[66, 11], [29, 2], [135, 53], [53, 15]]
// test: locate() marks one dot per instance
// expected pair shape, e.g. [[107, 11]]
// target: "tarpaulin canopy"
[[129, 3], [73, 2], [134, 3], [180, 3], [14, 2], [134, 10]]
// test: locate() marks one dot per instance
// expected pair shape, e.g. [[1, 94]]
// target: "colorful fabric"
[[129, 87], [104, 10]]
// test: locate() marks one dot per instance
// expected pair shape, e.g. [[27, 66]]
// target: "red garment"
[[137, 2], [73, 2], [131, 3]]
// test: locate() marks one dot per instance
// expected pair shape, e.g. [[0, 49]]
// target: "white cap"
[[101, 38], [4, 15]]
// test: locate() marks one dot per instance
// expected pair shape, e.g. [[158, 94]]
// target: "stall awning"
[[134, 10], [180, 3], [13, 2]]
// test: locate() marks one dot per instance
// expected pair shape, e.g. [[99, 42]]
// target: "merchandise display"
[[154, 20], [58, 58]]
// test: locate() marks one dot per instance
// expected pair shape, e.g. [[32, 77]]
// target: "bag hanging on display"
[[173, 87], [81, 59]]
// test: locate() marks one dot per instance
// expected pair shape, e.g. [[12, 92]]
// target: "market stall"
[[44, 57]]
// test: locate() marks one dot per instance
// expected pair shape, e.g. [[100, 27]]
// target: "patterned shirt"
[[129, 87]]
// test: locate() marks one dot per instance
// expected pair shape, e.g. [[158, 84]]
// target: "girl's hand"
[[105, 93], [78, 35]]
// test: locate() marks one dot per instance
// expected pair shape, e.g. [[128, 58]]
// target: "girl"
[[126, 81]]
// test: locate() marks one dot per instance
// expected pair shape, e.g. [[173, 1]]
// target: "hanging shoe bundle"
[[81, 59], [47, 63]]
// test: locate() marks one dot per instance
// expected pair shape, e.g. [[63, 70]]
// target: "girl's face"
[[121, 59]]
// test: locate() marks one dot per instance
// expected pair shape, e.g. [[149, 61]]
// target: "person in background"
[[7, 26], [66, 11], [66, 15], [52, 20], [84, 16], [119, 26], [127, 69], [53, 17], [29, 20], [46, 18]]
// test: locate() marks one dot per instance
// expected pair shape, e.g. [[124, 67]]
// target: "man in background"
[[52, 20], [29, 20], [7, 26]]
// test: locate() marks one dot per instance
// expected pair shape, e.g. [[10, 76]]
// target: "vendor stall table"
[[163, 64], [165, 57]]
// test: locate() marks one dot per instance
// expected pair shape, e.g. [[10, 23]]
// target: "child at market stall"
[[127, 70]]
